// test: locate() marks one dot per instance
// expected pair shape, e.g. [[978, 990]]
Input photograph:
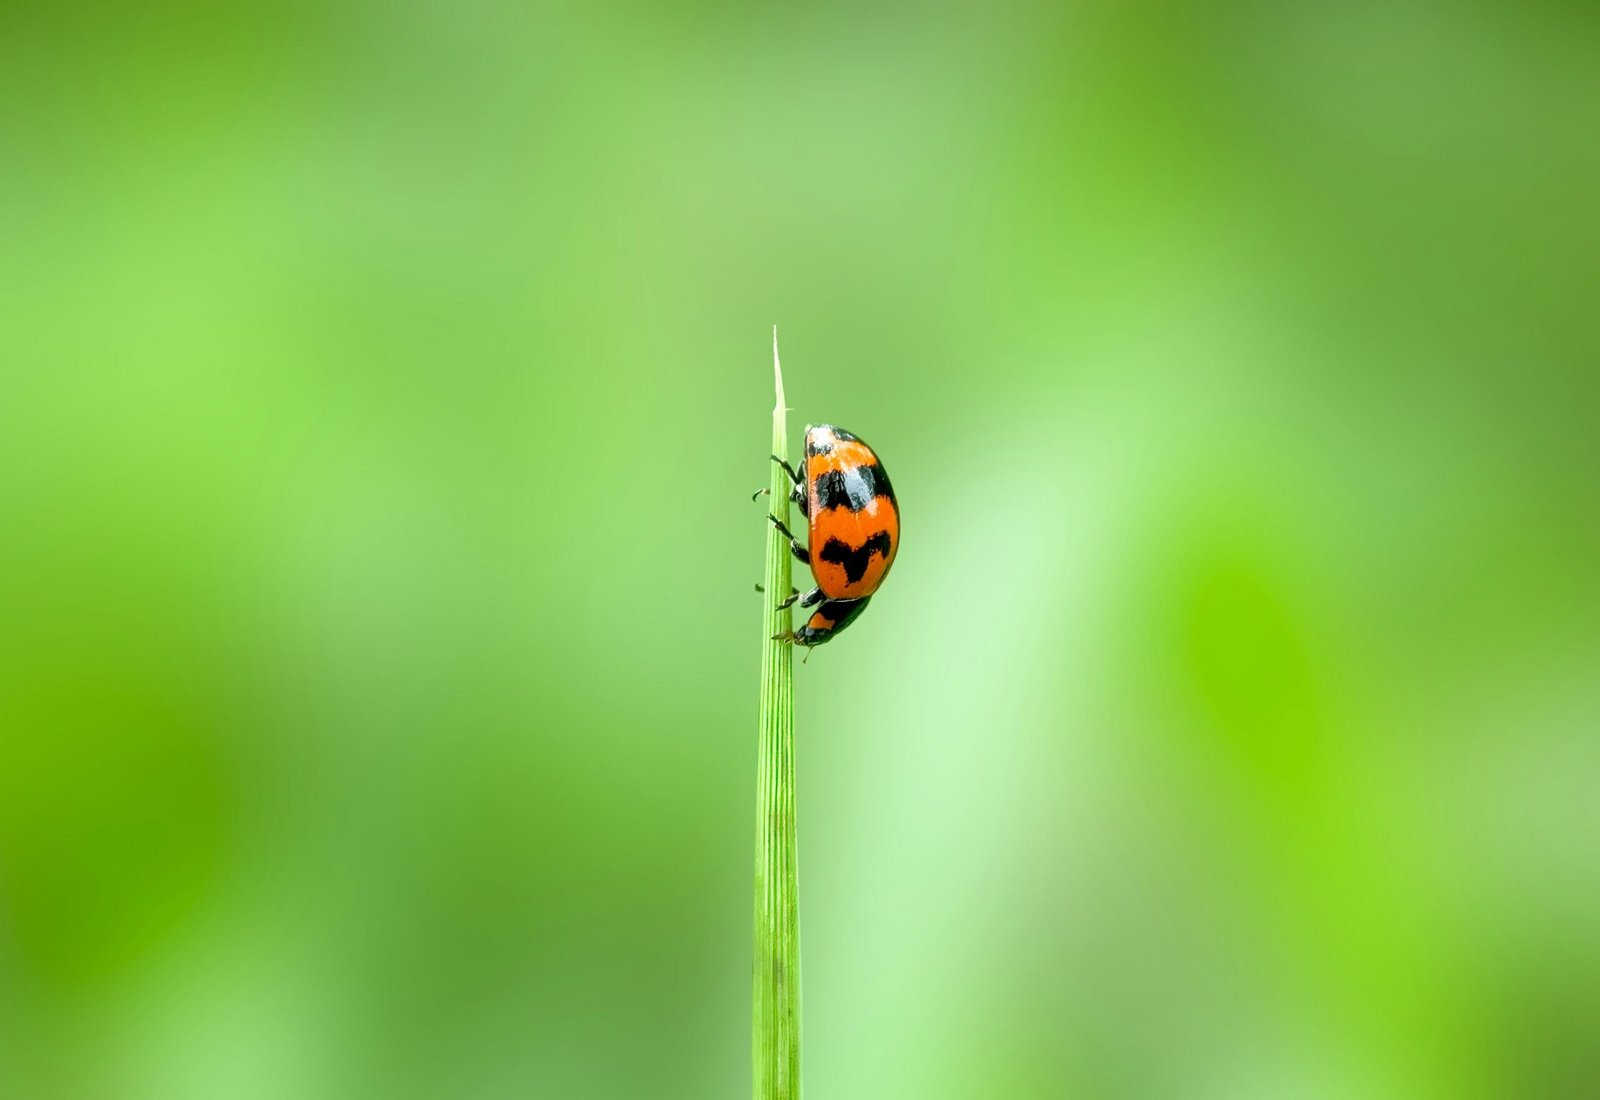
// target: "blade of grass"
[[775, 1015]]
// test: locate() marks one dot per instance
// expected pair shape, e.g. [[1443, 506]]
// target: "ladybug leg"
[[788, 469], [810, 599], [800, 552], [797, 496], [795, 591]]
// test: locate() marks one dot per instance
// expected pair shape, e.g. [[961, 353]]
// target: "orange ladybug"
[[854, 529]]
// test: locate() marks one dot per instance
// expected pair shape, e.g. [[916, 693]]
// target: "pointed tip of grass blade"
[[777, 374]]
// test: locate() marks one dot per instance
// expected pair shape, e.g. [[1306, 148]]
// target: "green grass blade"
[[775, 1015]]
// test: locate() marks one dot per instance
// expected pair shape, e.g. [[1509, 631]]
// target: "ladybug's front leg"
[[788, 469], [800, 552], [797, 494]]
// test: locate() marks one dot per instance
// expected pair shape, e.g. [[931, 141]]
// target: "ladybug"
[[854, 520]]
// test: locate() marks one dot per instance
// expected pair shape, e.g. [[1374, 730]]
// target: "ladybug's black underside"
[[841, 613]]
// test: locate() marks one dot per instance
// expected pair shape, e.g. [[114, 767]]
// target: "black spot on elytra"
[[855, 487], [856, 559]]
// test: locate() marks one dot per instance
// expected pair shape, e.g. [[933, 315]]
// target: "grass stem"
[[775, 1014]]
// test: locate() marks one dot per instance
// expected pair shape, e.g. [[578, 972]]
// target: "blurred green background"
[[383, 390]]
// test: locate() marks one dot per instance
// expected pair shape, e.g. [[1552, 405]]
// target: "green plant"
[[775, 1013]]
